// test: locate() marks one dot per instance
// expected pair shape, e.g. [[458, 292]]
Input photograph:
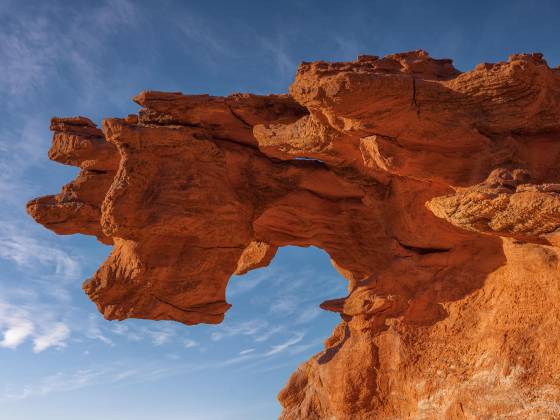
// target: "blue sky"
[[58, 358]]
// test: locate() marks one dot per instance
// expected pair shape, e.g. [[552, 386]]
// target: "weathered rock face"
[[436, 193]]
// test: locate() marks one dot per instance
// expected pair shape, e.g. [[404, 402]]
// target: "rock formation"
[[435, 192]]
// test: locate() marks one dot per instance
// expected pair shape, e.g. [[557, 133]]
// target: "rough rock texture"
[[436, 193]]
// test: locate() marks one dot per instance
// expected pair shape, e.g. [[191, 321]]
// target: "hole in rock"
[[275, 323], [96, 171], [311, 159], [273, 326], [422, 250]]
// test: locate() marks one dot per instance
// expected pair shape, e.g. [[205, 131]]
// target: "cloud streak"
[[55, 336], [113, 373], [279, 348], [16, 331], [247, 328], [34, 46], [33, 255], [20, 323]]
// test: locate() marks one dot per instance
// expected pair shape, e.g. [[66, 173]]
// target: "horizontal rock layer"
[[436, 193]]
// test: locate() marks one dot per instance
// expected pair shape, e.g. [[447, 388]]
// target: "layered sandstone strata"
[[436, 193]]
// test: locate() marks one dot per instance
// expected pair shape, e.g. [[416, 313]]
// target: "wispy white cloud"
[[236, 360], [239, 285], [348, 47], [20, 323], [131, 334], [206, 39], [160, 336], [32, 254], [284, 305], [16, 331], [26, 54], [113, 373], [36, 301], [247, 328], [34, 47], [277, 49], [202, 34], [157, 335], [189, 343], [258, 360], [308, 314], [303, 347], [93, 331], [279, 348], [55, 336], [112, 13], [269, 333]]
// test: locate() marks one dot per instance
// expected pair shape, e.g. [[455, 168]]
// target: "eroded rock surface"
[[436, 193]]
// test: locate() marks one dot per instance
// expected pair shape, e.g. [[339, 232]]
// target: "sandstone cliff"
[[436, 193]]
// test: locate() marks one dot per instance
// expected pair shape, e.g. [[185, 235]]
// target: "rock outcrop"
[[436, 193]]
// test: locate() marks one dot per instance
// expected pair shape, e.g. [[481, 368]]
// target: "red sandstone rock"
[[435, 193]]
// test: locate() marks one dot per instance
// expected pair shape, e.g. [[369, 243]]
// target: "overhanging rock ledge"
[[435, 192]]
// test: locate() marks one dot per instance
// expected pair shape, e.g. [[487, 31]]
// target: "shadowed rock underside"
[[436, 194]]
